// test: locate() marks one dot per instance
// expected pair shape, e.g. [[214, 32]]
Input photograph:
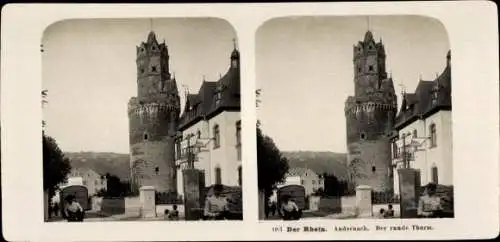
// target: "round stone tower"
[[370, 116], [153, 118]]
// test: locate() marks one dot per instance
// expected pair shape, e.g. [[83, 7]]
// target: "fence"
[[384, 198], [112, 206], [168, 198]]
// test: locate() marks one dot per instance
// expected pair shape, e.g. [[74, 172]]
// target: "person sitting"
[[390, 212], [429, 205], [289, 209], [174, 214], [216, 206], [73, 210], [381, 213]]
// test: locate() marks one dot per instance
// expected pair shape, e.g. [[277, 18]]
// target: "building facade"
[[88, 178], [153, 119], [311, 181], [210, 126], [424, 131], [370, 116]]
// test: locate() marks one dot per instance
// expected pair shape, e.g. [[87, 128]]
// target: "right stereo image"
[[354, 118]]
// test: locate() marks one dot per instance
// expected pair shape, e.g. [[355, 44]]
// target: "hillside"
[[320, 162], [102, 163]]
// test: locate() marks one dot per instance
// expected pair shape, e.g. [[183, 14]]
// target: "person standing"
[[216, 206], [429, 205]]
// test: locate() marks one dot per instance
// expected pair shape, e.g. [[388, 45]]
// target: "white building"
[[83, 176], [212, 120], [424, 125], [87, 177], [304, 177]]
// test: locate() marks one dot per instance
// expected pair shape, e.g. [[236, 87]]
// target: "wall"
[[440, 156], [225, 156], [371, 153], [112, 206], [148, 155], [160, 209], [203, 162]]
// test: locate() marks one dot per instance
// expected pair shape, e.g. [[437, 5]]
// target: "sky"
[[305, 71], [90, 72]]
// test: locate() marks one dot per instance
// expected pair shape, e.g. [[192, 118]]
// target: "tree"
[[55, 165], [271, 164]]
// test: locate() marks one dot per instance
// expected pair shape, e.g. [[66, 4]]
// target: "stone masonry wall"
[[369, 164]]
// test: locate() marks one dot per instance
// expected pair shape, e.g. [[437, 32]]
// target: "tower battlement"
[[370, 115], [153, 119]]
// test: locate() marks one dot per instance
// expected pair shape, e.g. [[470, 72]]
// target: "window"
[[153, 68], [238, 139], [362, 136], [359, 69], [434, 175], [157, 170], [414, 133], [198, 134], [240, 178], [302, 182], [218, 175], [216, 136], [178, 149], [145, 136], [374, 169], [395, 149], [433, 138], [142, 70], [370, 67]]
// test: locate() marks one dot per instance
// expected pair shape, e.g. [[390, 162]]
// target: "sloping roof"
[[299, 171], [204, 103], [429, 97]]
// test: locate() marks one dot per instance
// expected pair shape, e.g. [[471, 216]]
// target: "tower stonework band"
[[370, 116], [153, 118]]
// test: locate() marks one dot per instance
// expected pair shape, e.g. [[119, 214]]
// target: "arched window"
[[240, 176], [218, 175], [146, 137], [432, 136], [216, 136], [434, 174]]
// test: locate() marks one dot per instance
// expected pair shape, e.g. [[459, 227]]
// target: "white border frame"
[[473, 34]]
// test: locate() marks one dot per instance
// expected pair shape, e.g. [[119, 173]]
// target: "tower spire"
[[234, 43], [368, 23]]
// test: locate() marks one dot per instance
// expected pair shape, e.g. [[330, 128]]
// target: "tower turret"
[[235, 56], [153, 119], [370, 115]]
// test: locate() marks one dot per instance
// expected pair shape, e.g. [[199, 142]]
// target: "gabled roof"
[[205, 103], [429, 97], [300, 171]]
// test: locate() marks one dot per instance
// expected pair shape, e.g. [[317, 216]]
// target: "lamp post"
[[409, 179]]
